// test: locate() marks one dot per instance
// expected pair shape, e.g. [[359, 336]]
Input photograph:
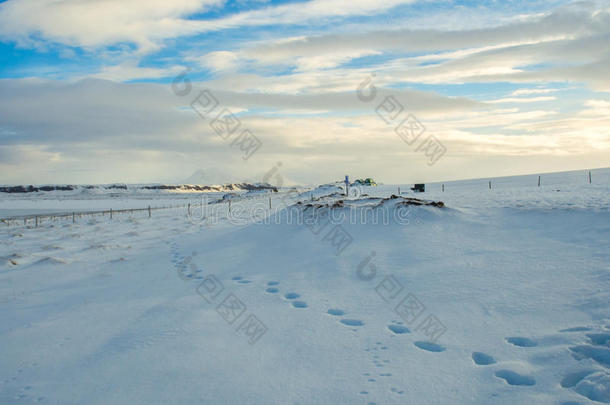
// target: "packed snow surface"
[[307, 296]]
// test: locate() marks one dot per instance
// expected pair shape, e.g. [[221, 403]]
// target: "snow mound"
[[374, 202], [10, 260], [52, 260]]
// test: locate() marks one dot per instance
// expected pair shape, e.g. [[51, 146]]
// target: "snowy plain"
[[500, 297]]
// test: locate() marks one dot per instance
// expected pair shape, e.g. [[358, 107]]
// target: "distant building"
[[419, 188], [366, 182]]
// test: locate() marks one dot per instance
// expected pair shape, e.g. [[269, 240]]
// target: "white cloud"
[[95, 23], [98, 23], [301, 12], [218, 61], [555, 26], [522, 100], [131, 71], [538, 48], [527, 92], [138, 132], [596, 108]]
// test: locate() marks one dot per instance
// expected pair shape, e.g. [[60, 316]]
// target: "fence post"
[[538, 181], [25, 221], [443, 188], [229, 206], [73, 220], [490, 184], [189, 210], [398, 190], [37, 221], [269, 202], [589, 176], [149, 211], [110, 213]]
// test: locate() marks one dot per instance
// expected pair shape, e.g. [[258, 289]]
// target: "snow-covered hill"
[[500, 296]]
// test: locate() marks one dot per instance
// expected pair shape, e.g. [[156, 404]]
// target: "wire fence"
[[37, 219]]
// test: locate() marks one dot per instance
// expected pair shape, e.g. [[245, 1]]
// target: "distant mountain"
[[136, 188], [208, 177], [200, 181]]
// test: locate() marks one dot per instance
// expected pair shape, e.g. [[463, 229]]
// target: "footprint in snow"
[[272, 283], [271, 290], [240, 280], [294, 296], [601, 354], [482, 359], [600, 339], [398, 329], [371, 382], [521, 341], [429, 346], [513, 378], [573, 379], [352, 322], [592, 384], [335, 312]]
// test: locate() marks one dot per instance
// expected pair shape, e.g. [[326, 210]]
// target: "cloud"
[[95, 23], [596, 108], [301, 12], [337, 102], [102, 131], [594, 74], [99, 23], [560, 24], [522, 100], [567, 44], [527, 92], [130, 71], [98, 123], [218, 61]]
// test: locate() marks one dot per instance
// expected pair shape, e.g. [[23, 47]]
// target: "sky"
[[300, 92]]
